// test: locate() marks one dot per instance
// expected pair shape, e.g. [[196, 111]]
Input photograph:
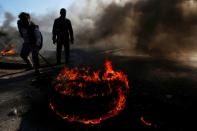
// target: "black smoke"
[[163, 29], [111, 28], [155, 27]]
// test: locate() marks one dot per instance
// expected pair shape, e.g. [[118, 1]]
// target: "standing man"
[[62, 35], [32, 38]]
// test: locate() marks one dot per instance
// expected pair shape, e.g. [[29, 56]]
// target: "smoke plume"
[[111, 26], [164, 27], [154, 27], [9, 18], [9, 34]]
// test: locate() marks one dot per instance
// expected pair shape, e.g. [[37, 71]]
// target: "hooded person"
[[32, 41]]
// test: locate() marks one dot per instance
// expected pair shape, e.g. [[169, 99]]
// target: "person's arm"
[[70, 29], [19, 24], [54, 32], [38, 37]]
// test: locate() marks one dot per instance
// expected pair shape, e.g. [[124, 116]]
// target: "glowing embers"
[[9, 51], [89, 97]]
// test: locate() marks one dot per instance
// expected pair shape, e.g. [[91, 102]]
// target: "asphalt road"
[[162, 92]]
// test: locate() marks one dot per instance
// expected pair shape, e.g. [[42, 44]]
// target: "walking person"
[[62, 35], [32, 39]]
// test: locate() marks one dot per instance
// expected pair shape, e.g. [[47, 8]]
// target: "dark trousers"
[[26, 49], [66, 51]]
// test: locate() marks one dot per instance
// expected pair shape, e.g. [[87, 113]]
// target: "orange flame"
[[70, 79], [8, 51], [120, 104]]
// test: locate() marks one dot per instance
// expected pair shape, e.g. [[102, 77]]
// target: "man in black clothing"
[[62, 35]]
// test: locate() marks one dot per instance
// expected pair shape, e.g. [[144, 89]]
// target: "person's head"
[[24, 18], [63, 12]]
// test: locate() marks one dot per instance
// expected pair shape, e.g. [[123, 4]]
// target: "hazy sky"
[[37, 7], [41, 7]]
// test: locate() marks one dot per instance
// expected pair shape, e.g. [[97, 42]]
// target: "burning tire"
[[88, 97]]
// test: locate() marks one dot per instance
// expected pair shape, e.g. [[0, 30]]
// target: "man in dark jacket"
[[62, 35], [32, 38]]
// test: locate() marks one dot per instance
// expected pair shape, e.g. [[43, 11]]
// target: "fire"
[[74, 82], [8, 51]]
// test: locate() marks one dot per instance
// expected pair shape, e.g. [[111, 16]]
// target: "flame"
[[115, 111], [70, 79], [8, 51], [80, 79]]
